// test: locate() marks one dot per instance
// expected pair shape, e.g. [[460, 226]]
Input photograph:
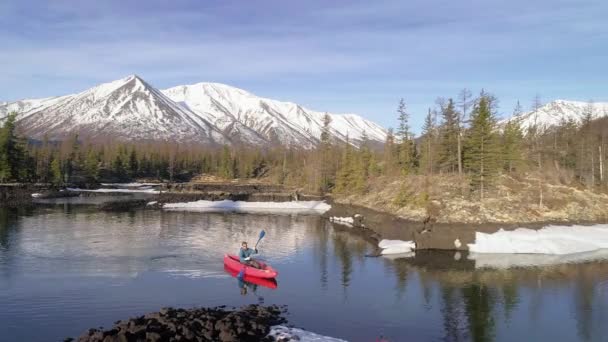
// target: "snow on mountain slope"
[[557, 112], [27, 106], [131, 109], [126, 109], [276, 121]]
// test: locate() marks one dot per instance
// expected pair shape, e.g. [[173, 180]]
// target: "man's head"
[[244, 244]]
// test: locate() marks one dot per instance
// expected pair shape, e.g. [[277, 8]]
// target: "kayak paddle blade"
[[262, 234]]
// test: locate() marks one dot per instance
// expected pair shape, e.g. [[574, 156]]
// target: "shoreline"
[[249, 323]]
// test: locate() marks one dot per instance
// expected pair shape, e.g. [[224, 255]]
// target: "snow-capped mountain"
[[126, 109], [131, 109], [559, 111], [287, 123]]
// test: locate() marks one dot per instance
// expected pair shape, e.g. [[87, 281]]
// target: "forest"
[[461, 136]]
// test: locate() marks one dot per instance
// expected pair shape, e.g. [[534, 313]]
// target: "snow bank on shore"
[[283, 333], [396, 246], [556, 240], [140, 190], [130, 185], [227, 205]]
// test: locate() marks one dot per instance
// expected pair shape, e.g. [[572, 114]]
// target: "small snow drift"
[[282, 333], [140, 190], [558, 240], [396, 246], [348, 221], [240, 206]]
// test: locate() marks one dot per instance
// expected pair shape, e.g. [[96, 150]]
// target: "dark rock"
[[250, 323]]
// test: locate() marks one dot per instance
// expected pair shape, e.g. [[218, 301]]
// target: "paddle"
[[242, 272], [262, 234]]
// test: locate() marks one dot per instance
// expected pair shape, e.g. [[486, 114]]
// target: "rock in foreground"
[[250, 323]]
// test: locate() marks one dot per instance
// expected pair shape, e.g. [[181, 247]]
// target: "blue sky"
[[339, 56]]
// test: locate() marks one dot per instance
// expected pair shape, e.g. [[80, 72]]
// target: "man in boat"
[[245, 256]]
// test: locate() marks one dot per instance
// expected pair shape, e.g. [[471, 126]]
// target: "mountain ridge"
[[211, 113], [557, 112]]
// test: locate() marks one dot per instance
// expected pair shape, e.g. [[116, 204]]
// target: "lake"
[[66, 267]]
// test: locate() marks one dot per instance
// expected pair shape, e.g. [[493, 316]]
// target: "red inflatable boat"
[[266, 282], [232, 262]]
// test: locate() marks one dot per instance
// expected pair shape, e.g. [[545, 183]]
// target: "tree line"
[[460, 136]]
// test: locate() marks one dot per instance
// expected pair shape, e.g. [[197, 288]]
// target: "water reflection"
[[98, 267]]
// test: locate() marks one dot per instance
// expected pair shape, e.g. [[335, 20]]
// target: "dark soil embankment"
[[426, 234], [250, 323]]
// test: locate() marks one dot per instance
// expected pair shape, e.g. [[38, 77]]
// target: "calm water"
[[65, 268]]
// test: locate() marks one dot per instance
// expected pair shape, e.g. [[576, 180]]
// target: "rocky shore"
[[250, 323]]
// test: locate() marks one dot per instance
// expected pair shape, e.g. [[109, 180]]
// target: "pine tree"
[[226, 164], [324, 149], [406, 145], [403, 132], [465, 103], [14, 160], [512, 140], [364, 164], [448, 156], [91, 165], [481, 157], [427, 146], [344, 177], [389, 158], [133, 163], [56, 170]]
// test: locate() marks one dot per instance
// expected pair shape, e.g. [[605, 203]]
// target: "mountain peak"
[[210, 113], [558, 111]]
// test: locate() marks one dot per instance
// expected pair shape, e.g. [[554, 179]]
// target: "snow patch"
[[349, 221], [281, 333], [558, 240], [227, 205], [130, 185], [143, 190], [152, 203], [396, 246]]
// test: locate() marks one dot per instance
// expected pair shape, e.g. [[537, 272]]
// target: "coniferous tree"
[[465, 103], [482, 148], [344, 176], [427, 146], [406, 143], [389, 158], [91, 165], [448, 158], [10, 153], [326, 179], [56, 170], [512, 139]]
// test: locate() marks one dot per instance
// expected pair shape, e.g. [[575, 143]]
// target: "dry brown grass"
[[447, 198]]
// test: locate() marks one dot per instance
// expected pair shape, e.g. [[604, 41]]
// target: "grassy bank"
[[447, 199]]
